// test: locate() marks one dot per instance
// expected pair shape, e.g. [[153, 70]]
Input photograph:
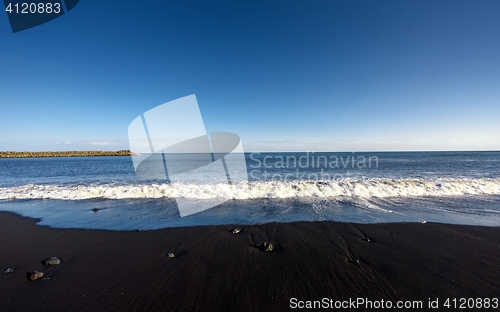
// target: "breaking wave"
[[367, 188]]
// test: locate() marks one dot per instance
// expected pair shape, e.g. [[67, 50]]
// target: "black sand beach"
[[215, 270]]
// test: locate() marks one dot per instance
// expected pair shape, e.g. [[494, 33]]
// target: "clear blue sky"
[[284, 75]]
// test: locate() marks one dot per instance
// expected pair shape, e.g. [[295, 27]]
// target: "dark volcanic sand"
[[214, 270]]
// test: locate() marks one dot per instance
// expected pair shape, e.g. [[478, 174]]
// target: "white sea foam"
[[367, 189]]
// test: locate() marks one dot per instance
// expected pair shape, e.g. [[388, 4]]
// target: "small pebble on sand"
[[267, 246], [51, 261], [36, 275]]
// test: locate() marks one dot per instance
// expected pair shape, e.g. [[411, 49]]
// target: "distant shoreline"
[[64, 154], [12, 154]]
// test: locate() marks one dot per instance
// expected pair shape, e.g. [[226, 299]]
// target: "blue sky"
[[284, 75]]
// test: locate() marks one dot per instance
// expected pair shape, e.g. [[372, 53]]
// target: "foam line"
[[367, 189]]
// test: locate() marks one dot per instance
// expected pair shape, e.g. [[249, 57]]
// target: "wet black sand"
[[215, 270]]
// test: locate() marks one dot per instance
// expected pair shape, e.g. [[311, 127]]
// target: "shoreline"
[[9, 154], [39, 154], [214, 269]]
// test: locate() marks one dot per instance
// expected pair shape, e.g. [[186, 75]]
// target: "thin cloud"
[[102, 143]]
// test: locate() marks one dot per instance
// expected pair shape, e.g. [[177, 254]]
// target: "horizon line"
[[260, 151]]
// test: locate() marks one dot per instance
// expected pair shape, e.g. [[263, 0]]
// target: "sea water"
[[448, 187]]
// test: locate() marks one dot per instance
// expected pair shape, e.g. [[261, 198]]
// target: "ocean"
[[378, 187]]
